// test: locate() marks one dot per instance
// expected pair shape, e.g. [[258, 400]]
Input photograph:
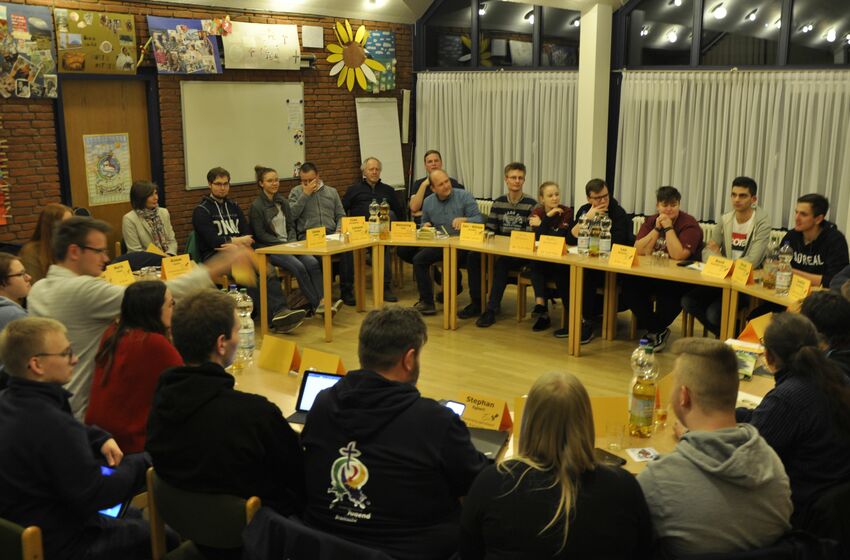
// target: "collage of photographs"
[[27, 63]]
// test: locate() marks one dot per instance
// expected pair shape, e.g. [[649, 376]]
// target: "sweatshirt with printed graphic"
[[215, 222], [826, 255]]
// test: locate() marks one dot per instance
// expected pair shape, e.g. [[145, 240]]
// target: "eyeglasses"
[[95, 249], [66, 353], [600, 197], [21, 273], [220, 184]]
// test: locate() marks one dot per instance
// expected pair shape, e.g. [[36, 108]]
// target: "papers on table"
[[747, 400]]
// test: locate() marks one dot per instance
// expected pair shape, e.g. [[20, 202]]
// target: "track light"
[[719, 11], [529, 17], [482, 9], [644, 31], [751, 16], [576, 22], [830, 35], [672, 36]]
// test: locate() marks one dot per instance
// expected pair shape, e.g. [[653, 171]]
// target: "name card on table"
[[485, 412], [472, 232], [320, 361], [403, 231], [717, 267], [172, 267], [743, 273], [155, 250], [316, 238], [279, 354], [119, 274], [800, 288], [358, 231], [551, 246], [622, 256], [521, 242], [348, 220]]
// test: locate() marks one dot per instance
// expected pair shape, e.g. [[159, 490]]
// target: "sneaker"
[[349, 299], [487, 318], [538, 311], [586, 332], [287, 320], [659, 340], [562, 333], [389, 296], [468, 312], [336, 306], [542, 323], [425, 308], [440, 295]]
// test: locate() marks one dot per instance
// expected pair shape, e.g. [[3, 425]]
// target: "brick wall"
[[329, 113]]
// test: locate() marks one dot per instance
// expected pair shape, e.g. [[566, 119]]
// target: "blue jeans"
[[307, 271]]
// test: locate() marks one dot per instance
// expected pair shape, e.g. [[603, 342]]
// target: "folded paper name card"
[[717, 267], [358, 231], [551, 246], [472, 232], [800, 288], [320, 361], [279, 354], [316, 238], [119, 274], [521, 242], [348, 220], [155, 250], [485, 412], [743, 273], [403, 231], [172, 267], [622, 256]]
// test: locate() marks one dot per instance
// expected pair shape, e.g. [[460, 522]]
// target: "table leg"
[[452, 298], [328, 299], [576, 290], [729, 308], [262, 263], [378, 275], [449, 288], [610, 313], [485, 284], [359, 279]]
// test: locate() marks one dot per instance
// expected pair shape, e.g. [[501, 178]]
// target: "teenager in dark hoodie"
[[830, 313], [205, 436], [386, 467], [820, 250]]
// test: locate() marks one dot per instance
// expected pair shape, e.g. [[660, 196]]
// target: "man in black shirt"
[[386, 467], [820, 250]]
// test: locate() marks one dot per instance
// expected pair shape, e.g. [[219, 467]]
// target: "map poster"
[[260, 45], [108, 174], [181, 46], [95, 42], [381, 46], [27, 55]]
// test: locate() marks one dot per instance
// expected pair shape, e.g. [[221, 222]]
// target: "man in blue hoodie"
[[398, 463]]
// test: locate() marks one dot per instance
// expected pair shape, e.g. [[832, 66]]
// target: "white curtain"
[[481, 121], [790, 131]]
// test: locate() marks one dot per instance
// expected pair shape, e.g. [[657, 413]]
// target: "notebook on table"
[[313, 383]]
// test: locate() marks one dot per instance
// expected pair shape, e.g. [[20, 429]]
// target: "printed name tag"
[[717, 267], [485, 412], [403, 231], [521, 242], [551, 246], [172, 267], [472, 232], [622, 256], [743, 273], [316, 238], [119, 274]]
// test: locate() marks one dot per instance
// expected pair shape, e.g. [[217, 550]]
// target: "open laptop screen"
[[313, 383]]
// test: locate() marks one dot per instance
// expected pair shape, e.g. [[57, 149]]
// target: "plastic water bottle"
[[595, 230], [642, 393], [583, 237], [605, 236], [384, 219], [374, 220], [783, 270], [245, 306]]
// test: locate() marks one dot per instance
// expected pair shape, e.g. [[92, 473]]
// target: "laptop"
[[488, 442], [313, 383]]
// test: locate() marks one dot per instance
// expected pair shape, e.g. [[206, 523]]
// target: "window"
[[820, 33], [561, 29], [506, 33], [660, 33], [447, 35], [740, 33]]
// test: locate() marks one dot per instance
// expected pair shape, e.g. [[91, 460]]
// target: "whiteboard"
[[377, 122], [236, 125]]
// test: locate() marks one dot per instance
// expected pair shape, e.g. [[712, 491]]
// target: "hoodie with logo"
[[718, 491], [386, 467], [215, 222], [826, 255]]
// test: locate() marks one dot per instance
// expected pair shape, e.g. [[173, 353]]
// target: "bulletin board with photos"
[[95, 42], [27, 53]]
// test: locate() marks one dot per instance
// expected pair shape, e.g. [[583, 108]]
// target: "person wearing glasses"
[[14, 288], [51, 465], [73, 294]]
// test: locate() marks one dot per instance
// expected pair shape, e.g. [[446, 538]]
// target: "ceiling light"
[[751, 16], [482, 9], [848, 38], [529, 17], [806, 28], [672, 36], [830, 35], [719, 11], [676, 3], [644, 31], [576, 22]]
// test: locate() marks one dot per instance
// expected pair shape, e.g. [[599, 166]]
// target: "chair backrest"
[[829, 516], [80, 211], [192, 247], [213, 520], [19, 542]]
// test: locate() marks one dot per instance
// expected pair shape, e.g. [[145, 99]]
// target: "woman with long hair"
[[14, 287], [132, 355], [553, 500], [806, 416], [147, 223], [37, 254]]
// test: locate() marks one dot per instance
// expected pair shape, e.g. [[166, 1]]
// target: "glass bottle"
[[605, 236]]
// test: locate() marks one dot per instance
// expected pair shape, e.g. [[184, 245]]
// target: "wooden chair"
[[20, 542], [212, 520], [523, 281]]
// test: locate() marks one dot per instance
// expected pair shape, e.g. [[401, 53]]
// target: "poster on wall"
[[181, 46], [4, 184], [381, 46], [95, 42], [260, 45], [27, 56], [108, 174]]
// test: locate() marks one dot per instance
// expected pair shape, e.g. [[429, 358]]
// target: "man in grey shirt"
[[313, 203], [723, 489]]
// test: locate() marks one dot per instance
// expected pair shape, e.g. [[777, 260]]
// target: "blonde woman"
[[553, 500]]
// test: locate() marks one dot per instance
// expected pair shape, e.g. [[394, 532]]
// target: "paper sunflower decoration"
[[483, 50], [350, 59]]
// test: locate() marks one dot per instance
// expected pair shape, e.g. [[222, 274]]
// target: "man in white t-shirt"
[[742, 233]]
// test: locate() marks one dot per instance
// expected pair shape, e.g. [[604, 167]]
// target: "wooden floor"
[[501, 361]]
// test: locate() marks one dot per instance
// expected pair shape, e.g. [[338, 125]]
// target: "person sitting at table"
[[14, 287], [147, 223], [206, 436], [219, 222], [37, 254], [510, 212], [386, 467], [742, 233], [132, 355], [550, 217], [273, 224], [830, 313], [553, 499], [313, 203], [448, 210], [678, 235], [722, 489], [806, 416], [820, 250]]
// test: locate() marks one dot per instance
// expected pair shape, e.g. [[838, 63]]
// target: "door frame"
[[150, 78]]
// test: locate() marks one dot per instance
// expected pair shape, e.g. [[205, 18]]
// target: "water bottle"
[[374, 221], [595, 230], [605, 236], [583, 237], [771, 259], [642, 392], [244, 307], [384, 219], [783, 270]]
